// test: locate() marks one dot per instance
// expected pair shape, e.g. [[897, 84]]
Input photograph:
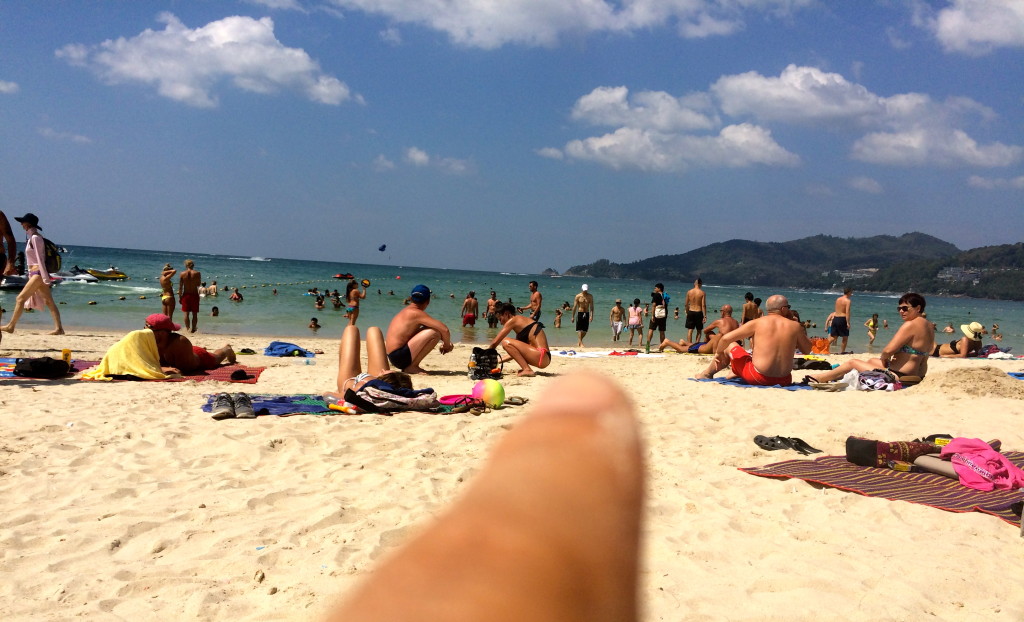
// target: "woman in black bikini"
[[530, 345], [906, 354], [968, 345]]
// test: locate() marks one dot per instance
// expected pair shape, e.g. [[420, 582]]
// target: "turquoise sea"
[[286, 315]]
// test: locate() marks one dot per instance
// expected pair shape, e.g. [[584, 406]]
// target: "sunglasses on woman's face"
[[903, 308]]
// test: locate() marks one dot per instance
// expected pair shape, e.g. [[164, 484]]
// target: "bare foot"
[[56, 331], [526, 372], [7, 329], [415, 370], [704, 375]]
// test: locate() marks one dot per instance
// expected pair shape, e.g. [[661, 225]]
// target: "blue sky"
[[512, 136]]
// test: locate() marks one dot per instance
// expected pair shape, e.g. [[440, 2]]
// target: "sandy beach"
[[124, 501]]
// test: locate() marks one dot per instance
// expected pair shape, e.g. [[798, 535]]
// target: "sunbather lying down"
[[350, 371], [562, 548]]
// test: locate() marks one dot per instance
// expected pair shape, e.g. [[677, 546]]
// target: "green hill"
[[910, 262], [808, 262]]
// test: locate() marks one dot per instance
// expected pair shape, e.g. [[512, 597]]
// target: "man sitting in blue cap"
[[413, 333]]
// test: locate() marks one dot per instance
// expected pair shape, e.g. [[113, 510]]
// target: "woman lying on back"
[[530, 344]]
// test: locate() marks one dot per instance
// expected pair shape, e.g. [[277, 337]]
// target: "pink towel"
[[980, 467]]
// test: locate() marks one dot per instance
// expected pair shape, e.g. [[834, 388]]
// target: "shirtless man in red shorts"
[[776, 338], [188, 294]]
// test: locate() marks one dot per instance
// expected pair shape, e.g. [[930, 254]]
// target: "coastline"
[[125, 500]]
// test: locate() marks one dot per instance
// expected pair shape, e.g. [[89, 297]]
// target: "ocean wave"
[[247, 258]]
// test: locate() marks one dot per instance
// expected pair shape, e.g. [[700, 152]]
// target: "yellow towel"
[[135, 355]]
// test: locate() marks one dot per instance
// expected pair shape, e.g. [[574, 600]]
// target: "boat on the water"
[[113, 274], [14, 282], [345, 275], [77, 277]]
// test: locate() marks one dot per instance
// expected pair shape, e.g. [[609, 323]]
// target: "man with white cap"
[[582, 312]]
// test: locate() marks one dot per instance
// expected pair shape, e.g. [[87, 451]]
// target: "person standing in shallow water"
[[167, 290], [188, 294], [36, 293]]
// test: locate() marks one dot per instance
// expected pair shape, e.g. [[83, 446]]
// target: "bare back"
[[776, 339], [843, 306], [695, 300], [189, 281]]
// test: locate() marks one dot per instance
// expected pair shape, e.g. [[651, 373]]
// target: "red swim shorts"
[[206, 360], [743, 366], [469, 319], [190, 303]]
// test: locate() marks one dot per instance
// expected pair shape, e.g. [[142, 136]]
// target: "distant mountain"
[[809, 262]]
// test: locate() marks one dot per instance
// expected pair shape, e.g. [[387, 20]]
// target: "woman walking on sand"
[[36, 292]]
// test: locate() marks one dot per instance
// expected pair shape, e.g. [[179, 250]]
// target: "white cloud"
[[797, 95], [489, 24], [977, 27], [655, 130], [923, 146], [52, 134], [455, 166], [996, 183], [381, 163], [865, 184], [279, 5], [417, 156], [895, 40], [391, 36], [551, 153], [188, 64], [8, 88], [451, 166], [735, 146], [654, 110]]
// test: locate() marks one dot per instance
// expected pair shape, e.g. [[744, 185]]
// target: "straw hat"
[[972, 330]]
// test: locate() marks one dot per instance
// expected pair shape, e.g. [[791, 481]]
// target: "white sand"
[[124, 501]]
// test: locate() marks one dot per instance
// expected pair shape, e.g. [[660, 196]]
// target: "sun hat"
[[584, 288], [30, 218], [159, 321], [420, 293], [972, 330], [618, 300]]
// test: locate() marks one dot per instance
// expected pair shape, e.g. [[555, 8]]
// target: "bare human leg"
[[549, 530]]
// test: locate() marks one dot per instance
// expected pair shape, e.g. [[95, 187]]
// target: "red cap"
[[159, 321]]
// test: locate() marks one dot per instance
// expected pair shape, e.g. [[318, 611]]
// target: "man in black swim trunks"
[[841, 320], [413, 333]]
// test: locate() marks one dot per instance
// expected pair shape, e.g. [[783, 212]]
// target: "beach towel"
[[134, 355], [223, 374], [599, 354], [282, 405], [928, 489], [738, 382], [283, 348]]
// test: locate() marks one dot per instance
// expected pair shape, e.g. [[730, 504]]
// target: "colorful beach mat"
[[7, 368], [738, 382], [282, 405], [921, 488]]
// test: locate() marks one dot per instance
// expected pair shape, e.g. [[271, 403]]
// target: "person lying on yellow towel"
[[155, 353]]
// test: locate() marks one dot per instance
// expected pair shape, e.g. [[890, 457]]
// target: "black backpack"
[[485, 363], [44, 367], [51, 254]]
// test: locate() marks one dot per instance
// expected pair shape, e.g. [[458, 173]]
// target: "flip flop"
[[512, 400], [800, 445], [772, 443]]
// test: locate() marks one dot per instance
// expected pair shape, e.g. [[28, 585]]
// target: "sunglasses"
[[903, 308]]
